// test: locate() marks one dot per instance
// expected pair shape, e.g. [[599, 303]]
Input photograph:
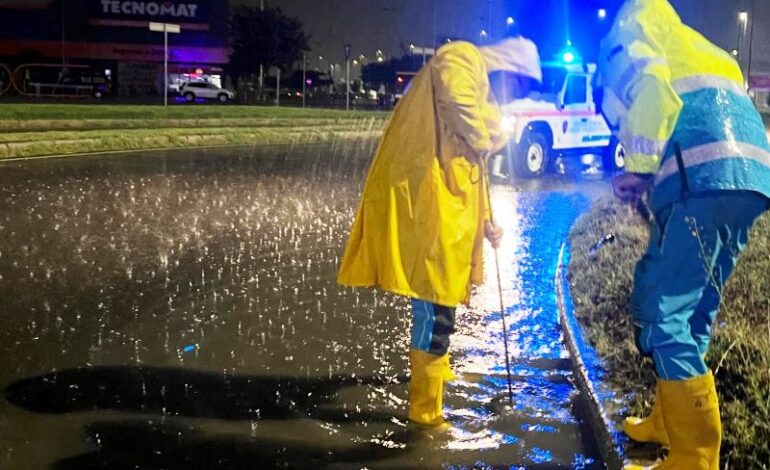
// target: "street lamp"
[[509, 23], [743, 20]]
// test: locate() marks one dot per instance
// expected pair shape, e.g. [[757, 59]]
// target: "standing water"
[[180, 310]]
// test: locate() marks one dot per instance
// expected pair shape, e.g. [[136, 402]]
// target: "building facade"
[[112, 38]]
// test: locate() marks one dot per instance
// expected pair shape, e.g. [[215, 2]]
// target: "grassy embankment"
[[740, 351], [30, 130]]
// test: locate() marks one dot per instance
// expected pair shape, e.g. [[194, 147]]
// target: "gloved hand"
[[629, 187]]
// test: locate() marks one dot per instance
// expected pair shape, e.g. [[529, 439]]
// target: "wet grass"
[[25, 112], [740, 350], [56, 129]]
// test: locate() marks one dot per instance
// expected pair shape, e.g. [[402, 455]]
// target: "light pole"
[[278, 87], [751, 44], [165, 28], [304, 78], [743, 18], [261, 67], [347, 77], [509, 22]]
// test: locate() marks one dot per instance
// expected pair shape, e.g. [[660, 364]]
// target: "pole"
[[489, 19], [751, 42], [485, 181], [304, 78], [278, 88], [261, 68], [63, 37], [165, 65], [347, 80]]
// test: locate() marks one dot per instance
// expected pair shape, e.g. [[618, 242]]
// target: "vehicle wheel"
[[189, 97], [222, 98], [614, 157], [532, 156]]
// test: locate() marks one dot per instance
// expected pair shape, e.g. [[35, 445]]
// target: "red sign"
[[759, 82]]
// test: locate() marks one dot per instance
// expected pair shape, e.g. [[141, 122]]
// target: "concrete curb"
[[588, 371], [124, 142]]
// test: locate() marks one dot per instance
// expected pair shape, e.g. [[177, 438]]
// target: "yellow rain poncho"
[[419, 227]]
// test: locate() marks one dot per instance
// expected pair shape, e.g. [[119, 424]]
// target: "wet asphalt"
[[179, 310]]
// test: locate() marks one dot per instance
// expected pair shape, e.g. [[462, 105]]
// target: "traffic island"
[[595, 282]]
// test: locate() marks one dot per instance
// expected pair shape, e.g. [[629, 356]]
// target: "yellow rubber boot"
[[449, 376], [426, 388], [691, 415], [650, 429]]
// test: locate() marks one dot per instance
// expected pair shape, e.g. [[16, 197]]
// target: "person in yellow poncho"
[[423, 214]]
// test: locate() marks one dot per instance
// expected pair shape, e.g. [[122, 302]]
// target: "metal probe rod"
[[485, 182]]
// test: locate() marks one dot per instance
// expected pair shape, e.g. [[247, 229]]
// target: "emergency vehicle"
[[559, 120]]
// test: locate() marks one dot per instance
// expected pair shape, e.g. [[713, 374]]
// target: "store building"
[[111, 38]]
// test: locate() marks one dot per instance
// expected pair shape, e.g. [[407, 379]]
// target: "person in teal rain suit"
[[694, 139]]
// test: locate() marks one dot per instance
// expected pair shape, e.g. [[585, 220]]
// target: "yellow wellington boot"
[[691, 413], [449, 376], [426, 388], [650, 429]]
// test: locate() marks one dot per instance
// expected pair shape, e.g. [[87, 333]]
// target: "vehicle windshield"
[[553, 83]]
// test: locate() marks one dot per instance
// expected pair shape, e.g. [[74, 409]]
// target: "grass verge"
[[43, 130], [740, 350], [27, 112]]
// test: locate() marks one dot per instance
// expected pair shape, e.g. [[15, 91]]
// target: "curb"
[[125, 143], [588, 371]]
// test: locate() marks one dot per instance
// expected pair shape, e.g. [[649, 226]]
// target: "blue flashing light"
[[569, 55]]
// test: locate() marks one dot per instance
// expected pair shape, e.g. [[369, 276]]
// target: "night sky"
[[391, 25]]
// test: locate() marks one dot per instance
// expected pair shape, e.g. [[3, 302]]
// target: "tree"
[[268, 38]]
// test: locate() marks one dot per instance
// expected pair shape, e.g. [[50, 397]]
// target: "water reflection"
[[180, 311]]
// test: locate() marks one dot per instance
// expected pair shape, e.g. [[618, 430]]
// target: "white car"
[[193, 90], [560, 121]]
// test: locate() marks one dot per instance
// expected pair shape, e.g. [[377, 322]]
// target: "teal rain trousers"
[[693, 250]]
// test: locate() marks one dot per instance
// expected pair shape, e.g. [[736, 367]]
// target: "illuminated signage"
[[134, 8]]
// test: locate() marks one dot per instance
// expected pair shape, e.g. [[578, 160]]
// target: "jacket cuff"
[[642, 163]]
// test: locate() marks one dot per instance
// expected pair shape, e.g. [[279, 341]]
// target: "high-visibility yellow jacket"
[[418, 231], [667, 87]]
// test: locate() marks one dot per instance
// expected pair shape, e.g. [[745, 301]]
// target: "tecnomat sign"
[[136, 8]]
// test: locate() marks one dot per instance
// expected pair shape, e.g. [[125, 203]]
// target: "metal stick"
[[485, 182]]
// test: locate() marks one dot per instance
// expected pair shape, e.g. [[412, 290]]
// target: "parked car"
[[193, 90]]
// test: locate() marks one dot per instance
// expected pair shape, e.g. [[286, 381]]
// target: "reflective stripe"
[[713, 152], [423, 319], [701, 82], [643, 145]]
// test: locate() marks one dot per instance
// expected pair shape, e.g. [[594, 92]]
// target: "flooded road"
[[179, 310]]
